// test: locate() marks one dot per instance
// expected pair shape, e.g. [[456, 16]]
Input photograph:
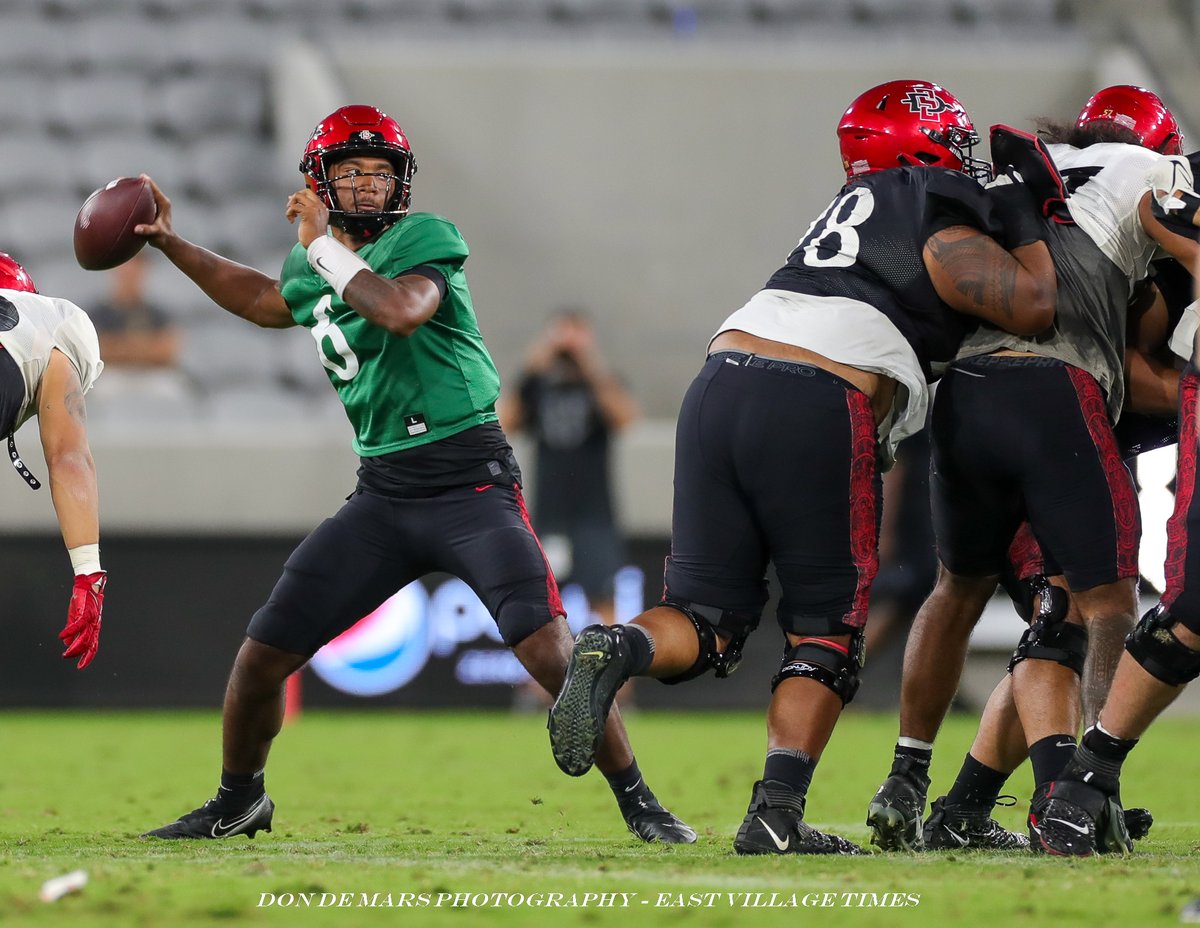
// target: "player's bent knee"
[[829, 663], [1050, 637], [710, 622], [1154, 646], [520, 618], [265, 662]]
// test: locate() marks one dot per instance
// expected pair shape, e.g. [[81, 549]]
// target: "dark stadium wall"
[[177, 607]]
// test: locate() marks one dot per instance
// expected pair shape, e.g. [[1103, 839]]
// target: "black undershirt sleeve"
[[431, 273]]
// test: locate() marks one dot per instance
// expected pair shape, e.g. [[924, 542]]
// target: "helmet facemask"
[[341, 191], [961, 143]]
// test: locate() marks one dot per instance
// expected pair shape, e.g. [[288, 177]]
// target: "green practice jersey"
[[401, 392]]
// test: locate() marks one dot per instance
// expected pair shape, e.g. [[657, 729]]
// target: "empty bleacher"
[[180, 89]]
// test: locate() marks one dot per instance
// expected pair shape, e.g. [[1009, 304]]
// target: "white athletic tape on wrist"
[[336, 263], [85, 559]]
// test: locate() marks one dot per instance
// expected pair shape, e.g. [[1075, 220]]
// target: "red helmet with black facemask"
[[359, 131]]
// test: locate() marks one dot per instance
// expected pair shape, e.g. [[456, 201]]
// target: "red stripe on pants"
[[864, 517], [1120, 487], [553, 599], [1185, 489]]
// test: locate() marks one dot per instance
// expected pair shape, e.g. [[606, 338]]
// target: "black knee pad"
[[825, 662], [1160, 653], [1049, 636], [708, 621]]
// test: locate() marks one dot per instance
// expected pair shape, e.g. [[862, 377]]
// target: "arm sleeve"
[[431, 273]]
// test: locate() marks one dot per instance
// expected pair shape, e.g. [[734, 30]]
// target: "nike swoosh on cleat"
[[592, 654], [221, 829], [1072, 825], [962, 842], [630, 789], [782, 845]]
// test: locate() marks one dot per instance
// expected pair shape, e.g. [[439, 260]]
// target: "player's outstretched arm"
[[62, 426], [972, 273], [241, 290]]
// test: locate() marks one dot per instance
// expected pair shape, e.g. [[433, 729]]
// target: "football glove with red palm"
[[82, 633]]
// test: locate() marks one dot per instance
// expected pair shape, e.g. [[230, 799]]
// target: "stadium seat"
[[254, 223], [98, 104], [224, 47], [168, 289], [63, 277], [42, 221], [118, 399], [262, 403], [220, 351], [22, 105], [33, 44], [226, 164], [191, 106], [126, 42], [73, 11], [25, 156], [298, 364], [128, 156]]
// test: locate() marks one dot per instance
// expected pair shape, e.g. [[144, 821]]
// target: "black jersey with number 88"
[[867, 245]]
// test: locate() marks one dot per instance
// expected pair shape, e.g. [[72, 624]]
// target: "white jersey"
[[31, 326], [1117, 176]]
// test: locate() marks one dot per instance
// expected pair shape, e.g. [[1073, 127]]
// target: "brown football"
[[104, 227]]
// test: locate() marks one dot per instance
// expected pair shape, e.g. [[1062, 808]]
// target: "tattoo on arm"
[[970, 263], [73, 402]]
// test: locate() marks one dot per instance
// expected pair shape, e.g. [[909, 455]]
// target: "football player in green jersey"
[[384, 295]]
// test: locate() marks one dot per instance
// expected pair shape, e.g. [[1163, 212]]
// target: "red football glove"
[[82, 634]]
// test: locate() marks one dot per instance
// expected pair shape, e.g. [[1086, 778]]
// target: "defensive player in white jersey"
[[1000, 426], [49, 358]]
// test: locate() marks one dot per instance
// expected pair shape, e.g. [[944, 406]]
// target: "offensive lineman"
[[384, 294], [49, 358], [804, 389], [1004, 414]]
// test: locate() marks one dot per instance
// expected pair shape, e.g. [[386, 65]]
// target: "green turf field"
[[433, 803]]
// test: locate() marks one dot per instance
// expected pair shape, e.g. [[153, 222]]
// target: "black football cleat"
[[895, 811], [1138, 823], [1069, 818], [950, 829], [774, 824], [577, 719], [215, 819], [652, 823]]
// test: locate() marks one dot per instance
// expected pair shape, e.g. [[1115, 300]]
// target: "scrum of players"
[[1025, 467], [1044, 292]]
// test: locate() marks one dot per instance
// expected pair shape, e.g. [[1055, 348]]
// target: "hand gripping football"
[[104, 227]]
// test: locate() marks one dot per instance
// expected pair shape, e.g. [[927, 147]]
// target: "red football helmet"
[[1140, 111], [362, 131], [908, 122], [13, 276]]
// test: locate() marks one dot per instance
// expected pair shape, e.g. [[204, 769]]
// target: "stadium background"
[[651, 160]]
